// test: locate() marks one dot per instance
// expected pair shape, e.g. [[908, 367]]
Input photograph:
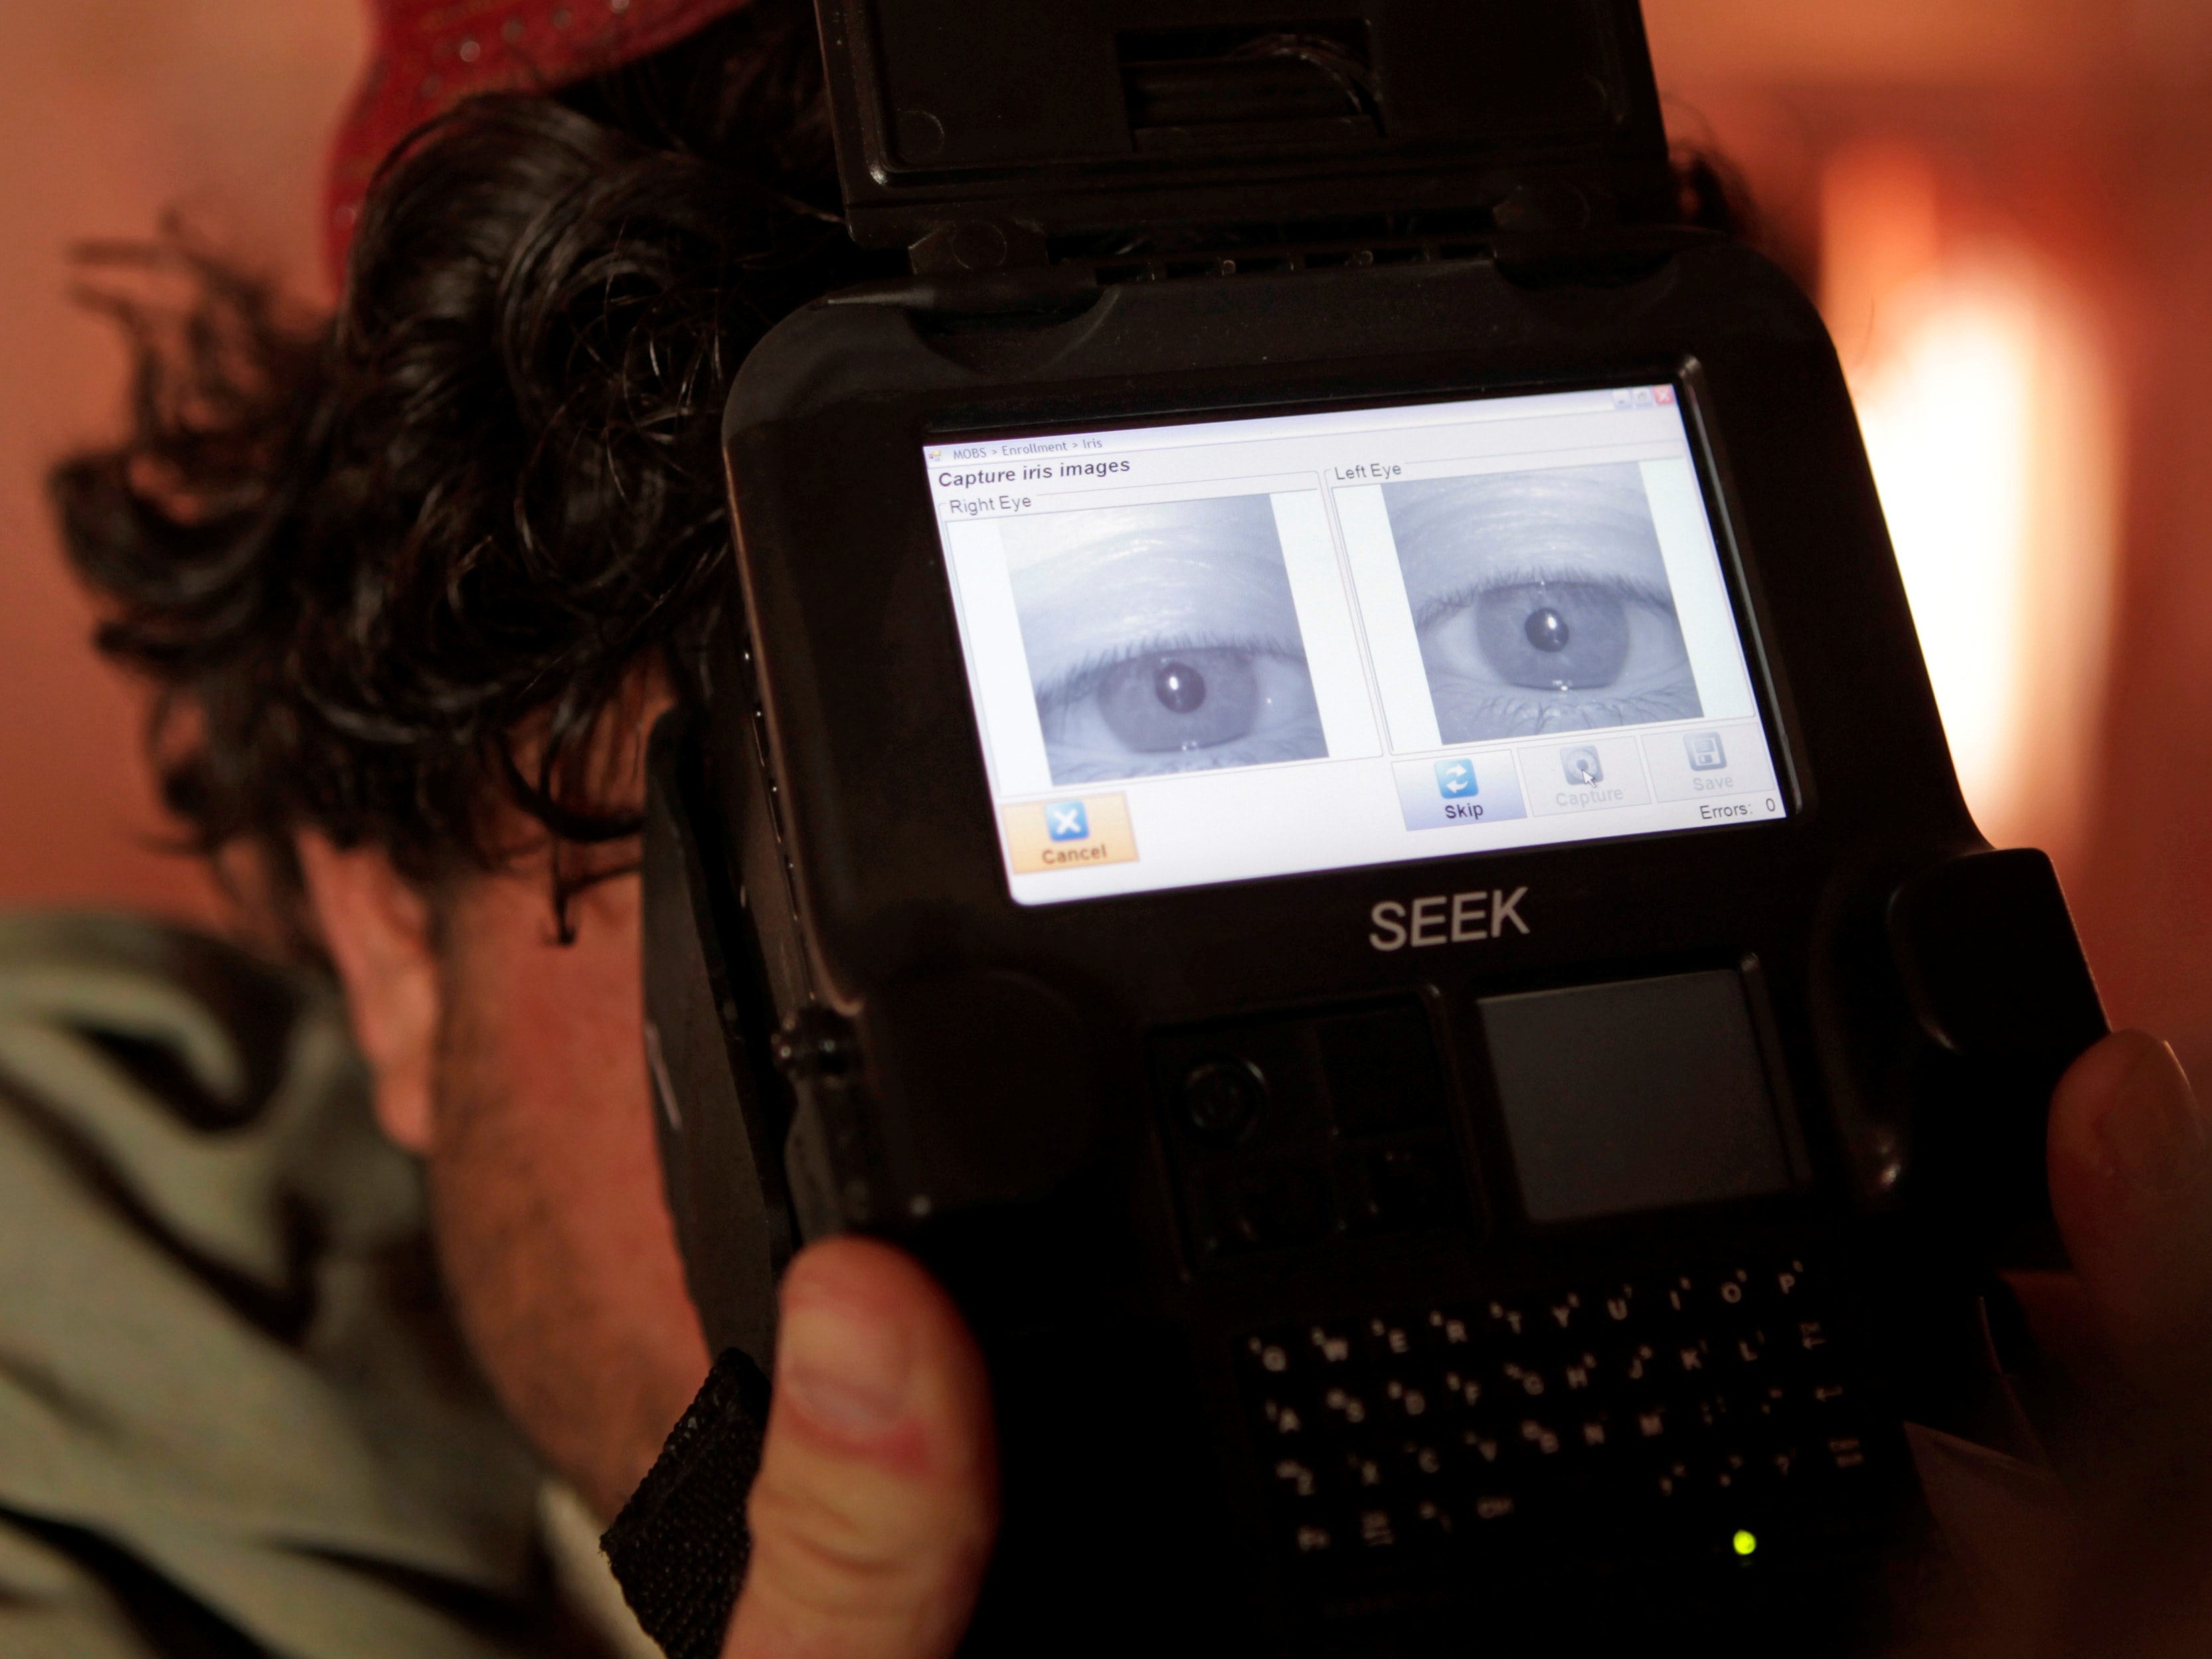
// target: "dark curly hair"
[[391, 567]]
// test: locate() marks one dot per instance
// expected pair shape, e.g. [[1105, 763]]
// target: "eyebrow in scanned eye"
[[1093, 587], [1457, 537]]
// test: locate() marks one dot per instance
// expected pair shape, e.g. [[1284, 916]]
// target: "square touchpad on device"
[[1642, 1095]]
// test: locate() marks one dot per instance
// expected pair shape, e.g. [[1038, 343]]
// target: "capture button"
[[1068, 834], [1589, 775]]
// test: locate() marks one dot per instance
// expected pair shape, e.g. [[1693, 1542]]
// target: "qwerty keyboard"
[[1680, 1413]]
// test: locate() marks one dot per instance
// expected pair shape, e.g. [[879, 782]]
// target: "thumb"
[[873, 1514], [2131, 1154]]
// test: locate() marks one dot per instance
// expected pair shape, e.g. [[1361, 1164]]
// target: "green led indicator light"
[[1745, 1542]]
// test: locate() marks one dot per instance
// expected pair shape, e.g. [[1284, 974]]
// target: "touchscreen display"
[[1216, 652]]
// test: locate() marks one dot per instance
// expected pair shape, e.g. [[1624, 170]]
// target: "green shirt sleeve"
[[223, 1349]]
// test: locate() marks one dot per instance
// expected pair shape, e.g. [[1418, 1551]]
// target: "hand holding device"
[[1326, 801]]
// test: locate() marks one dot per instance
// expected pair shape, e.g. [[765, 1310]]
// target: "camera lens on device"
[[1222, 1097]]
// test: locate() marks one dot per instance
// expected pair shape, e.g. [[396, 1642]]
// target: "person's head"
[[412, 582]]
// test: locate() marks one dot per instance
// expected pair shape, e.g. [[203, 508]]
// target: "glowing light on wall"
[[1982, 394]]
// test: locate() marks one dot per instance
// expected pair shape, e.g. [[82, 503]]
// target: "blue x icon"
[[1067, 822]]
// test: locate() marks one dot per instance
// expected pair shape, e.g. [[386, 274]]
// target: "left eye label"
[[1070, 835]]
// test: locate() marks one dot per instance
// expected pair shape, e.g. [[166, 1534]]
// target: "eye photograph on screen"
[[1541, 602], [1162, 639]]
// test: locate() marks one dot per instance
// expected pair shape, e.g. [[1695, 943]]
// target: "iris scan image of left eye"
[[1162, 639], [1541, 602]]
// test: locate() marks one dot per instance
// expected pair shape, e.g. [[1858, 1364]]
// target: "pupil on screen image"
[[1180, 687], [1547, 630]]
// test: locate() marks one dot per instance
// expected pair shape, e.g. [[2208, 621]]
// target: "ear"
[[377, 930]]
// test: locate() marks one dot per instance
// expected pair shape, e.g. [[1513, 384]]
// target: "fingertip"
[[2130, 1159], [874, 1355], [866, 1273], [2121, 1120], [875, 1505]]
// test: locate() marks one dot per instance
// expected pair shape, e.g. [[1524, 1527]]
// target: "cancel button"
[[1069, 835]]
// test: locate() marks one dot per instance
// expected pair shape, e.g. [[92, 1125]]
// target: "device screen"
[[1220, 651]]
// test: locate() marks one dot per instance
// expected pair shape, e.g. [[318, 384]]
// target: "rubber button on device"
[[1223, 1098]]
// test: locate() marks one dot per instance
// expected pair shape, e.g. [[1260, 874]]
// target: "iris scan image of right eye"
[[1541, 602], [1162, 639]]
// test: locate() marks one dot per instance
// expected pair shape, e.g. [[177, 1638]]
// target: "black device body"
[[1282, 1361]]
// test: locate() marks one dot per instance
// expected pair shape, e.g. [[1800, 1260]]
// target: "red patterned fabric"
[[430, 54]]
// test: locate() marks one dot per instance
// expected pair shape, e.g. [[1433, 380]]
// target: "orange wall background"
[[2081, 129], [112, 112]]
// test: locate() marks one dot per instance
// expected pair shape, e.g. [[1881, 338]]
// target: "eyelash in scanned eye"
[[1179, 704], [1538, 575], [1071, 685], [1555, 649]]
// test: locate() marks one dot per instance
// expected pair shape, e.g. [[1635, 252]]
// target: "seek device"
[[1325, 797]]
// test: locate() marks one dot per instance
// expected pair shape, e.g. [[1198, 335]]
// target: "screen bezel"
[[1015, 420]]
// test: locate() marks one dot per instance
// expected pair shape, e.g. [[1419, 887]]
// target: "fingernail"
[[844, 1368], [2153, 1133]]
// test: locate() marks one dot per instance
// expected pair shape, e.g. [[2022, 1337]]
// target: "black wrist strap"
[[679, 1547]]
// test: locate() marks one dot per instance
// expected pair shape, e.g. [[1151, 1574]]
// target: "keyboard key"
[[1517, 1381], [1391, 1339], [1268, 1358], [1691, 1357], [1333, 1346], [1449, 1332], [1298, 1482], [1420, 1466], [1479, 1453], [1617, 1309], [1845, 1452], [1507, 1324], [1579, 1372], [1637, 1365], [1460, 1391], [1344, 1407], [1537, 1437], [1492, 1507], [1365, 1476], [1408, 1400], [1377, 1531], [1592, 1430], [1281, 1420], [1564, 1316], [1431, 1524]]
